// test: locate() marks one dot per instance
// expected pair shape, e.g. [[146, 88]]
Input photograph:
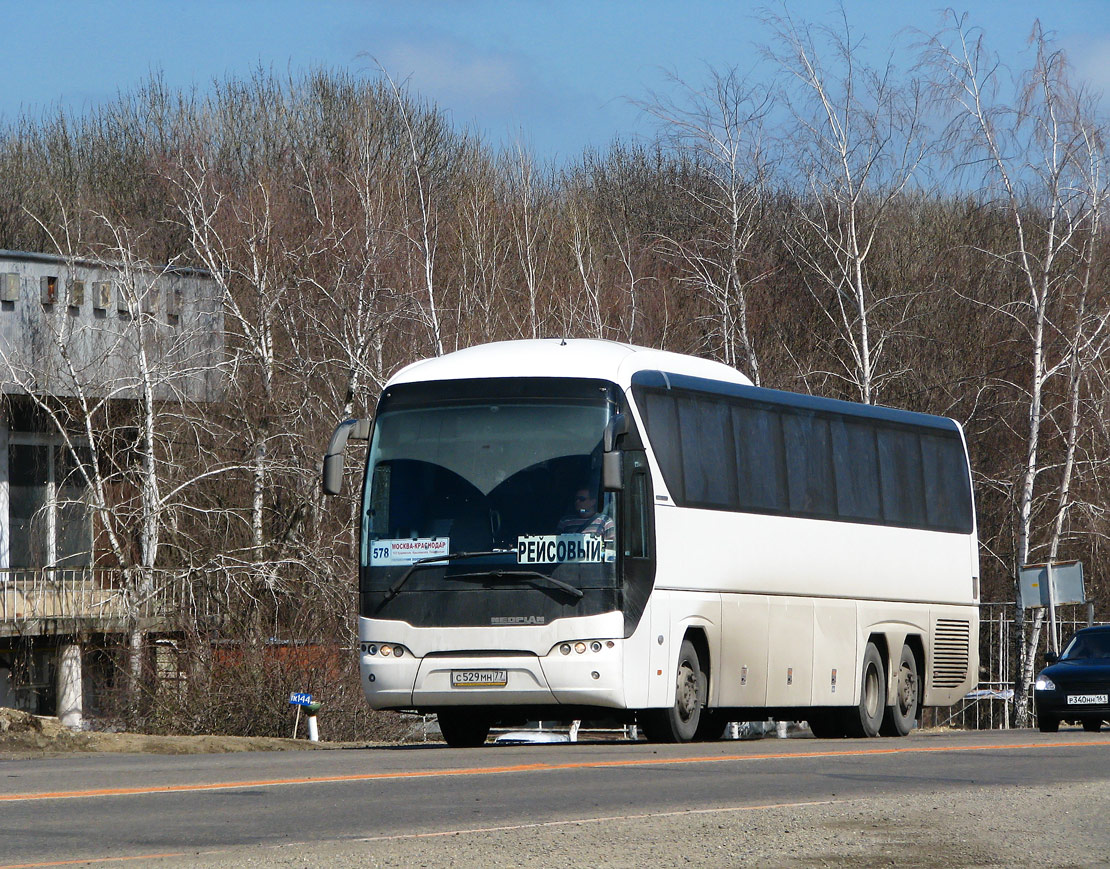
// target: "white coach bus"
[[576, 529]]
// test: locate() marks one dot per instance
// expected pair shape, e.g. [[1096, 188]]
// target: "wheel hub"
[[907, 689], [687, 692]]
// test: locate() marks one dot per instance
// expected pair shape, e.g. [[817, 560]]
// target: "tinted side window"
[[809, 464], [661, 419], [901, 476], [856, 468], [760, 459], [634, 516], [732, 453], [708, 460], [947, 492]]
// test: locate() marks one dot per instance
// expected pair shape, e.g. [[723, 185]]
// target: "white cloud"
[[1090, 57], [451, 76]]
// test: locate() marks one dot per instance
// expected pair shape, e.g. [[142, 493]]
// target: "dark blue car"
[[1075, 686]]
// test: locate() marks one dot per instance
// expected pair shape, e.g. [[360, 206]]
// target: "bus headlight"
[[582, 646], [386, 650]]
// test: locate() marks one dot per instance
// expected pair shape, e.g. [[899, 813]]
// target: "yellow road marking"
[[529, 767]]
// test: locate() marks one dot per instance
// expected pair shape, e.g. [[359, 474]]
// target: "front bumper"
[[589, 679], [1055, 703]]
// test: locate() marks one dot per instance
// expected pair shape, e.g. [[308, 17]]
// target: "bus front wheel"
[[680, 722], [463, 727], [866, 719]]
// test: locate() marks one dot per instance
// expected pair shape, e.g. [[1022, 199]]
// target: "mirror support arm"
[[357, 429]]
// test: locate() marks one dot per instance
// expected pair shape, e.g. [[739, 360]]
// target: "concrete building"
[[80, 339]]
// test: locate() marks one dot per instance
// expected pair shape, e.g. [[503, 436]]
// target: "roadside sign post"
[[311, 707], [1052, 611], [1048, 586]]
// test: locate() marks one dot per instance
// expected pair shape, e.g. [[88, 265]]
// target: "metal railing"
[[30, 597], [990, 705]]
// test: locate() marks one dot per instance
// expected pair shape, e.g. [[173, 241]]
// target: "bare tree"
[[531, 214], [425, 143], [1036, 158], [720, 128], [857, 144]]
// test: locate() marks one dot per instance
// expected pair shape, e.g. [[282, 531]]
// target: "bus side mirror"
[[359, 429], [612, 459], [612, 471]]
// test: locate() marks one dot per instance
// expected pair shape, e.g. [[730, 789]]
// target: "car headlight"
[[1043, 683]]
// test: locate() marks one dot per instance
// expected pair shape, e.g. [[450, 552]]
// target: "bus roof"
[[562, 357]]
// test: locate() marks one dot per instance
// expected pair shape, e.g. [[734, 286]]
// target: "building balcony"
[[66, 600]]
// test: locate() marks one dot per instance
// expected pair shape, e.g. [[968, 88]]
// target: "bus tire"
[[712, 726], [680, 722], [901, 714], [463, 727], [866, 719]]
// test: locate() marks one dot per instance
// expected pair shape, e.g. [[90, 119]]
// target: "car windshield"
[[505, 470], [1092, 645]]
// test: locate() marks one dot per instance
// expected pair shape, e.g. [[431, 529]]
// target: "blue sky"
[[558, 74]]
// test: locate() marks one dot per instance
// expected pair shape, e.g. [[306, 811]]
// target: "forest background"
[[924, 234]]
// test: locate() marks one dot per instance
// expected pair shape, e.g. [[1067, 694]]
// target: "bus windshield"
[[506, 472]]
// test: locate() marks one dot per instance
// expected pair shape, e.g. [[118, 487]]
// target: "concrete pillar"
[[5, 534], [70, 695]]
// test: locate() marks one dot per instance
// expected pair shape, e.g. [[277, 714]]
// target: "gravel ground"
[[1032, 826]]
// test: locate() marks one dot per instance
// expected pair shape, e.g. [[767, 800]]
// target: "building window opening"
[[49, 518]]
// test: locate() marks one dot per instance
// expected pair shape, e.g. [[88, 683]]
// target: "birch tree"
[[857, 143], [531, 215], [719, 127], [1034, 154]]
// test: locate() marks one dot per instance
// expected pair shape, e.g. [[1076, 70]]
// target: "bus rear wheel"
[[680, 722], [866, 719], [901, 714], [463, 727]]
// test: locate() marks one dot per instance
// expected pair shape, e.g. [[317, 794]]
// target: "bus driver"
[[585, 519]]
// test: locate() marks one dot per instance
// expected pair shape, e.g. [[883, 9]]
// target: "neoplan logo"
[[517, 620]]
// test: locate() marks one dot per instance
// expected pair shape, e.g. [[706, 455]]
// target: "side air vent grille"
[[951, 651]]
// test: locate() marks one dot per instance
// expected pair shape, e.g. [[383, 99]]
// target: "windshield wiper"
[[421, 563], [521, 574]]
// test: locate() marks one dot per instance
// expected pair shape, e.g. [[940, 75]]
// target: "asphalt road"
[[135, 808]]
